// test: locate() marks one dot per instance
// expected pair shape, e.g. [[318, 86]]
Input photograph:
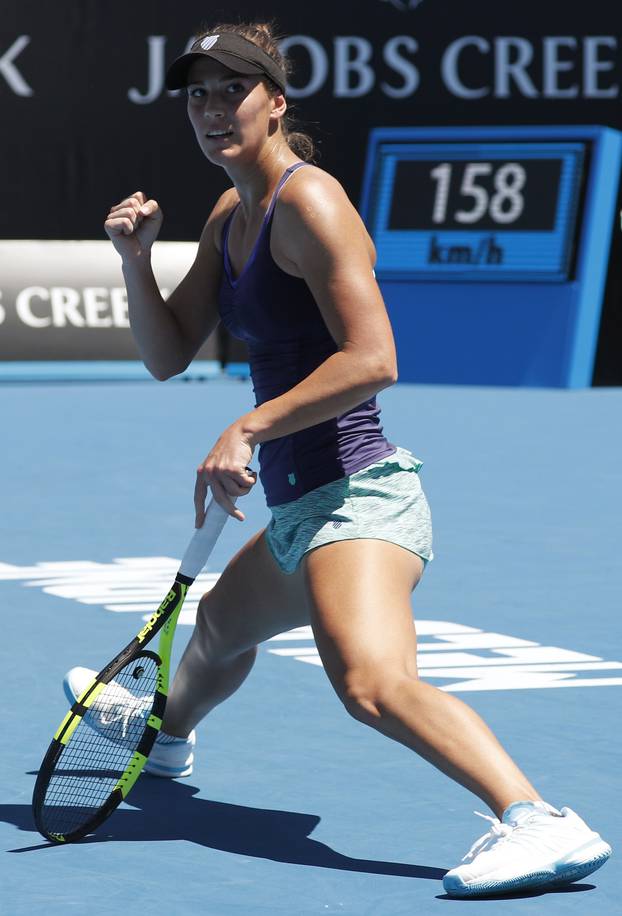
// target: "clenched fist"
[[133, 225]]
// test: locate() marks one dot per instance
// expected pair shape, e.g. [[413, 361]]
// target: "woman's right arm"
[[168, 333]]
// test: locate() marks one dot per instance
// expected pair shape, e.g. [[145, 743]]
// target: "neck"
[[255, 181]]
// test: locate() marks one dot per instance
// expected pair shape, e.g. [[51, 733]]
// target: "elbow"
[[374, 369], [164, 373], [392, 376], [387, 380], [385, 372], [161, 376], [166, 365], [159, 372]]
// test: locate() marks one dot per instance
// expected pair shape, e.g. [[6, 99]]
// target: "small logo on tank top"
[[292, 479]]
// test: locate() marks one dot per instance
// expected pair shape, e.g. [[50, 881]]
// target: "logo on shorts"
[[292, 479], [209, 42], [336, 524]]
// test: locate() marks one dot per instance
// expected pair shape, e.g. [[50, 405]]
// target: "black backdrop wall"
[[86, 119]]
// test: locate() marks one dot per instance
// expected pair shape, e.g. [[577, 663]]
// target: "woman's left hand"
[[225, 471]]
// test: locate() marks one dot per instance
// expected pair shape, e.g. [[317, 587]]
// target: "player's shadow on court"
[[169, 811], [161, 810]]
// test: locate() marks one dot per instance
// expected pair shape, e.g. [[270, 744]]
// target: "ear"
[[279, 106]]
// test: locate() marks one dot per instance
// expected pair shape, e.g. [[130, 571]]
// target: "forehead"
[[206, 69]]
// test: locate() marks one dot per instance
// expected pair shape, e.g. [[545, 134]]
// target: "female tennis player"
[[285, 263]]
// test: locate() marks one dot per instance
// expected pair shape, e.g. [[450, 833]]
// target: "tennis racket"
[[104, 740]]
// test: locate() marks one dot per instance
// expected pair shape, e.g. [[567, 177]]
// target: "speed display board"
[[486, 211], [493, 248]]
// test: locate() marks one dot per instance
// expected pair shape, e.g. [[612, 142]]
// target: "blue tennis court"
[[294, 807]]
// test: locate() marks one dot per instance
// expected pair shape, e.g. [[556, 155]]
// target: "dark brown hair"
[[263, 34]]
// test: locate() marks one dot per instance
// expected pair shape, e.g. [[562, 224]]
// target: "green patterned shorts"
[[383, 501]]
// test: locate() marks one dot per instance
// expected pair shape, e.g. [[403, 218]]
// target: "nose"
[[213, 107]]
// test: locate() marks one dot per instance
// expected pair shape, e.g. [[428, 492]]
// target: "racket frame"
[[163, 621]]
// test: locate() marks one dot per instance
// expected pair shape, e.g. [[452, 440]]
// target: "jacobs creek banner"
[[87, 120]]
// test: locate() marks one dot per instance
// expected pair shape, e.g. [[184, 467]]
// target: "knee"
[[371, 692]]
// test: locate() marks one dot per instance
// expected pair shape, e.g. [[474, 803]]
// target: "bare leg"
[[252, 601], [362, 620]]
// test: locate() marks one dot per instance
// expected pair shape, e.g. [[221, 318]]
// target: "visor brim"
[[177, 73]]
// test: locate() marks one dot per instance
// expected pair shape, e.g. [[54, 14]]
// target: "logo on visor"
[[209, 42]]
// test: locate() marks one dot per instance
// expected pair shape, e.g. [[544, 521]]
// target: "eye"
[[232, 88], [195, 92]]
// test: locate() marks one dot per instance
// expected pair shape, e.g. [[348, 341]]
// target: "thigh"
[[360, 605], [252, 600]]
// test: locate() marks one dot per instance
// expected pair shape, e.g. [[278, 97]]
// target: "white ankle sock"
[[163, 738]]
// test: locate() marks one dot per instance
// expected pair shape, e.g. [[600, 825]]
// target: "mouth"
[[218, 134]]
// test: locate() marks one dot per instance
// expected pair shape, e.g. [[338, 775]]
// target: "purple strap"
[[287, 174], [265, 222]]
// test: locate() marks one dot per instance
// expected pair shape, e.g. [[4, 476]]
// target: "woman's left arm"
[[321, 238]]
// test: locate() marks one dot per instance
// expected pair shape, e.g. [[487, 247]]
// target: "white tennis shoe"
[[534, 846], [116, 718]]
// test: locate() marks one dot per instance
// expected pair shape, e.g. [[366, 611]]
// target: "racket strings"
[[100, 749]]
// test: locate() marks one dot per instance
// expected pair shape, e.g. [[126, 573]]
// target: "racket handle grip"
[[203, 541]]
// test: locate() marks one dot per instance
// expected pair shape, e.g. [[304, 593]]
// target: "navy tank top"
[[278, 318]]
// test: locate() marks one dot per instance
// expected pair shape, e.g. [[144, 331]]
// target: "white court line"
[[446, 650]]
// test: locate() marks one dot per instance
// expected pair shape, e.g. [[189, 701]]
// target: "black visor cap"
[[232, 51]]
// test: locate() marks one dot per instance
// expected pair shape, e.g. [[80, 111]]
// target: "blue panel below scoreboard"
[[493, 247]]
